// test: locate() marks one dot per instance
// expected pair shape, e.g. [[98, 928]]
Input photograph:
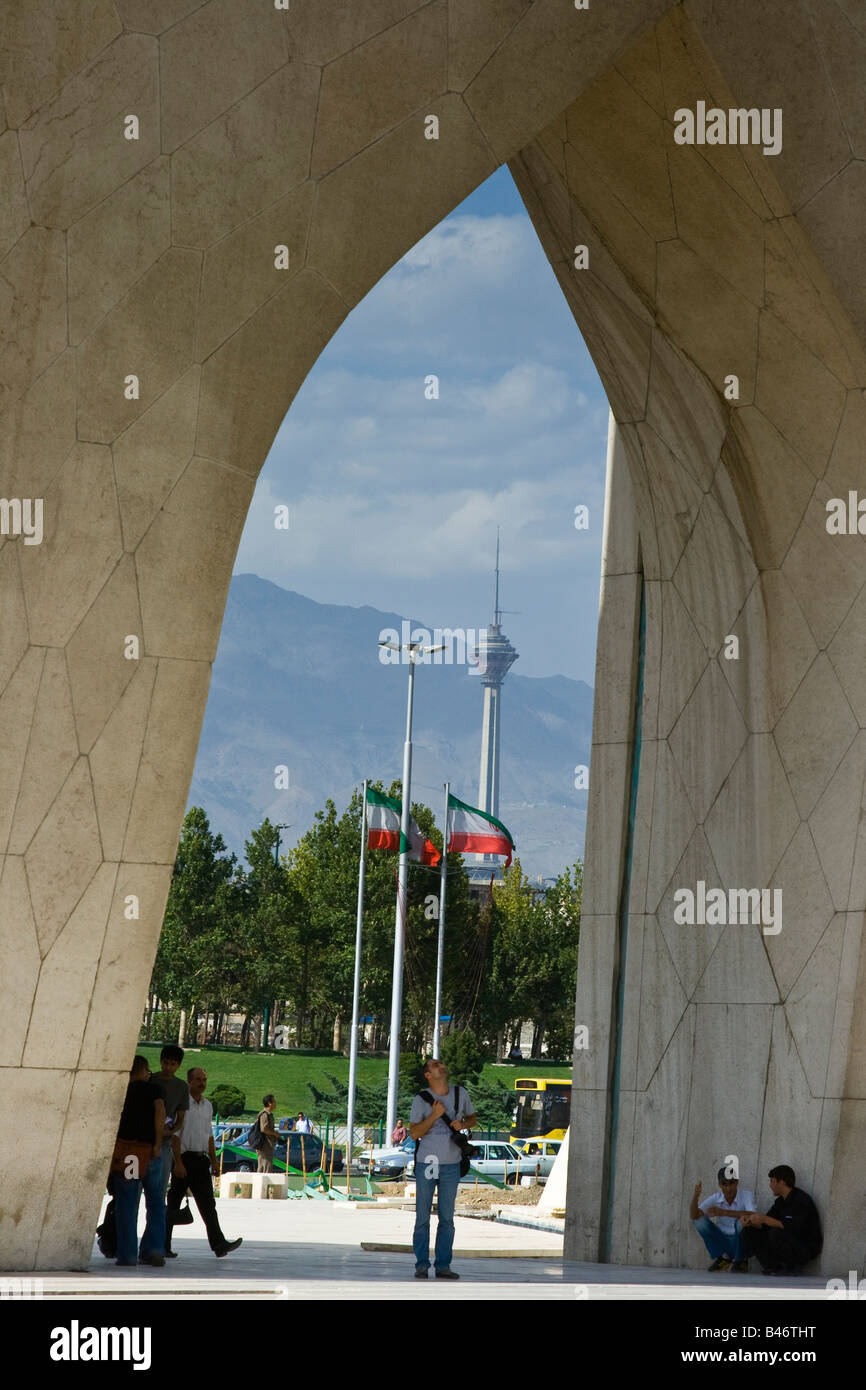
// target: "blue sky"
[[394, 499]]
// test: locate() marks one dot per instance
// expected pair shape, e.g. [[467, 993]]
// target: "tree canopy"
[[278, 932]]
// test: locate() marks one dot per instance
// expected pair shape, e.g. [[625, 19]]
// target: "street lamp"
[[415, 650], [282, 826], [266, 1021]]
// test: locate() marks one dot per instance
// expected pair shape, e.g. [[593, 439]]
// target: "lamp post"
[[266, 1022], [415, 650]]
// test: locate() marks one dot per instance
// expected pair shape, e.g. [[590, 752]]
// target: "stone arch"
[[154, 258]]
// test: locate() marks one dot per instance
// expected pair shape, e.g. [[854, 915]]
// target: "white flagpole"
[[400, 917], [440, 948], [356, 992]]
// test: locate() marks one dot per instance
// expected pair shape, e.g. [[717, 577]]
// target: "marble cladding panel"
[[246, 159], [43, 43], [657, 1160], [371, 89], [95, 1101], [211, 60], [75, 149], [193, 539], [32, 309], [38, 432], [25, 1202]]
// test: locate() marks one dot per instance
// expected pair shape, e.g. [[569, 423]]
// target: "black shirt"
[[800, 1220], [137, 1120]]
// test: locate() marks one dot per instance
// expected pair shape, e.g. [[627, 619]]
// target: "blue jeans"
[[167, 1162], [153, 1239], [447, 1180], [127, 1195], [716, 1241]]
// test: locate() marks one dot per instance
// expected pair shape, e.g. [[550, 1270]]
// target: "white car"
[[390, 1161], [537, 1155], [495, 1159]]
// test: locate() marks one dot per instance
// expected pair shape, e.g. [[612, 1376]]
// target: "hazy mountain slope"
[[300, 683]]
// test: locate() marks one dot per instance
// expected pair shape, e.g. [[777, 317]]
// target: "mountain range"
[[300, 685]]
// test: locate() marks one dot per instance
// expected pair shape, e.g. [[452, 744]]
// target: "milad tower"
[[500, 657]]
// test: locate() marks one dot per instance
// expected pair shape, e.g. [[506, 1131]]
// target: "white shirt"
[[197, 1131], [744, 1201], [303, 1126]]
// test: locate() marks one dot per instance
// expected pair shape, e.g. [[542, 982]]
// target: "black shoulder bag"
[[467, 1151]]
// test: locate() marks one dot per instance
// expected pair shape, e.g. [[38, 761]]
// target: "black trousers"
[[774, 1248], [198, 1181]]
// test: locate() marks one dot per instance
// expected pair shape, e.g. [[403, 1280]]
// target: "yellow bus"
[[543, 1108]]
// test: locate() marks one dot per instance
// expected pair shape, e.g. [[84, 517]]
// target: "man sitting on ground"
[[717, 1228], [789, 1235]]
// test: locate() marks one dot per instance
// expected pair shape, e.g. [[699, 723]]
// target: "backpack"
[[106, 1234], [467, 1152], [254, 1138]]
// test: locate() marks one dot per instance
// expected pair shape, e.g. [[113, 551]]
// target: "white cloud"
[[395, 499]]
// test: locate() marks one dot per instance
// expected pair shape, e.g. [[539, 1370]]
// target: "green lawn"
[[286, 1074]]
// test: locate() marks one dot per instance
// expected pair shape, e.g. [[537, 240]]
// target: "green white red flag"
[[383, 821], [476, 832]]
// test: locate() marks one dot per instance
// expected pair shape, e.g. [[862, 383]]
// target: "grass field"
[[286, 1074]]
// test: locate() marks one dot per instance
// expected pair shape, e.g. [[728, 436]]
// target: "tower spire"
[[500, 656]]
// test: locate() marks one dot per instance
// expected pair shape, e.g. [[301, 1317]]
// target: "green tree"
[[553, 977], [463, 1055], [198, 915], [323, 866], [269, 925]]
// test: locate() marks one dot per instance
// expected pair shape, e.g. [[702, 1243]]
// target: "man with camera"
[[439, 1115]]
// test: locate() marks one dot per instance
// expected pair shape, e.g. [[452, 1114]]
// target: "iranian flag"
[[383, 822], [476, 832]]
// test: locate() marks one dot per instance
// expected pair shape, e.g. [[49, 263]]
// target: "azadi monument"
[[194, 197]]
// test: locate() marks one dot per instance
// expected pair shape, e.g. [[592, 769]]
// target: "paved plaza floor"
[[334, 1251]]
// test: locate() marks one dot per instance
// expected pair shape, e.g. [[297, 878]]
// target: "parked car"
[[537, 1155], [390, 1161], [229, 1131], [240, 1158], [494, 1159]]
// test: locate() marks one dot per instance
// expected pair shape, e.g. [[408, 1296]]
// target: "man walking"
[[437, 1165], [194, 1166], [789, 1235], [265, 1122], [720, 1231]]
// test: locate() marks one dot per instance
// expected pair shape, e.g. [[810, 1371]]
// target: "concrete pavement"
[[315, 1250]]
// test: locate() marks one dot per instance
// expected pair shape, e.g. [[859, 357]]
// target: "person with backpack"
[[439, 1115], [263, 1136]]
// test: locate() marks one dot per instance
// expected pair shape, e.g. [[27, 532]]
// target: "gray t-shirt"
[[437, 1141], [175, 1091]]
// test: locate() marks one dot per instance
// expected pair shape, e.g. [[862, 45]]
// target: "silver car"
[[537, 1156], [494, 1159]]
